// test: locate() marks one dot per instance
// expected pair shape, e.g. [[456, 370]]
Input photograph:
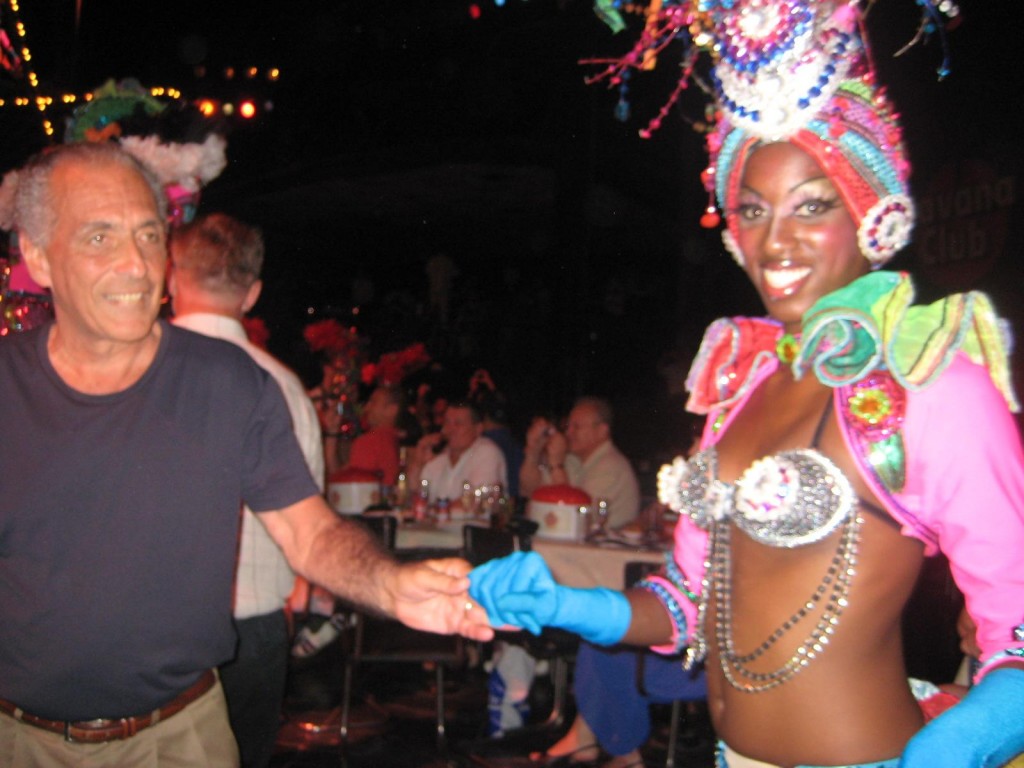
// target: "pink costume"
[[939, 448]]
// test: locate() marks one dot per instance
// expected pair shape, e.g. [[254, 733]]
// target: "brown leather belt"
[[98, 731]]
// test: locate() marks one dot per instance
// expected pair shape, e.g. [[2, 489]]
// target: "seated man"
[[584, 457], [467, 457]]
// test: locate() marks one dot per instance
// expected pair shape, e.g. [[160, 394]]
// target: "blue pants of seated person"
[[611, 701]]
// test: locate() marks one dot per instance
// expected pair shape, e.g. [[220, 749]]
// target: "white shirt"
[[264, 579], [482, 463]]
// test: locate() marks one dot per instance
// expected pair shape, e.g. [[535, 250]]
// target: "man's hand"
[[556, 449], [433, 596], [425, 447], [537, 437]]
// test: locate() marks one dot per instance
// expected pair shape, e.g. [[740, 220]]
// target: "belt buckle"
[[84, 725]]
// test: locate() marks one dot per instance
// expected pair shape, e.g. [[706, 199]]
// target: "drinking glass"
[[601, 518], [651, 518]]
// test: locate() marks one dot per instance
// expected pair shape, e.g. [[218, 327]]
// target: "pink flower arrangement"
[[392, 367]]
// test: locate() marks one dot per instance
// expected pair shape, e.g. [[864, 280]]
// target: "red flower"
[[256, 330], [331, 337], [395, 366]]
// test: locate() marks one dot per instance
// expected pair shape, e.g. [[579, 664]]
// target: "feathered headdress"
[[174, 140], [788, 70]]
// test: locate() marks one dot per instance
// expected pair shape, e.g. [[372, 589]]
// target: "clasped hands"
[[518, 591]]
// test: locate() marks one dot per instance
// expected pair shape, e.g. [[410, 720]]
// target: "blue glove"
[[985, 730], [519, 591], [518, 572]]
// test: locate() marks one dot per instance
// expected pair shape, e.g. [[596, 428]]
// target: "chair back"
[[635, 570], [388, 641], [482, 544], [382, 526]]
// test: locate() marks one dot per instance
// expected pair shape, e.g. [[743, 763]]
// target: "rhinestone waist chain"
[[828, 600]]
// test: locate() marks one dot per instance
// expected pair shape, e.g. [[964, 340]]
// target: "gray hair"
[[601, 407], [32, 213], [219, 252]]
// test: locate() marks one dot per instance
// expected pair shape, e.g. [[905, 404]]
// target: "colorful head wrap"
[[788, 72], [796, 71]]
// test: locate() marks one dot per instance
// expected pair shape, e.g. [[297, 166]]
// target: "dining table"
[[433, 534], [596, 563]]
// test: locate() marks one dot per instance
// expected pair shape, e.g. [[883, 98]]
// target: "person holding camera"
[[583, 456]]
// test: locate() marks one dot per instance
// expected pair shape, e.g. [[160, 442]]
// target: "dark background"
[[401, 130]]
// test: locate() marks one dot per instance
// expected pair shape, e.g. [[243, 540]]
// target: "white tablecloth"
[[573, 564], [432, 535], [589, 565]]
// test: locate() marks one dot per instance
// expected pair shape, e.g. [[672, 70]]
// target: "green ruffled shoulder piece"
[[609, 14], [871, 324]]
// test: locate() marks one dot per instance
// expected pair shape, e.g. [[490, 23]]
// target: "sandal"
[[309, 642], [568, 759]]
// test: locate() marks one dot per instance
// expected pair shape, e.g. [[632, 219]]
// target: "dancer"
[[849, 435]]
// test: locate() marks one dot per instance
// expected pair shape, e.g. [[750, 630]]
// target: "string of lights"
[[38, 97], [39, 100], [208, 106]]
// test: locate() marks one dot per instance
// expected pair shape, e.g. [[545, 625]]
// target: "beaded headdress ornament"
[[796, 71]]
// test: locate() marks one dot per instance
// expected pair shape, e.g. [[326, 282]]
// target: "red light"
[[247, 109], [207, 107], [474, 11]]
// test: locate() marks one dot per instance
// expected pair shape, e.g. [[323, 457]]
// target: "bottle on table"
[[421, 503], [443, 510], [501, 514], [401, 489], [601, 521]]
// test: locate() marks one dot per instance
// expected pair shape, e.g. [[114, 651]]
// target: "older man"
[[467, 456], [213, 282], [585, 457], [120, 507]]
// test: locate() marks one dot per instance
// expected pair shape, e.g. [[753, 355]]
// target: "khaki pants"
[[198, 736]]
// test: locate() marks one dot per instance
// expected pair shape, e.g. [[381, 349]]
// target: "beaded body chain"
[[830, 597]]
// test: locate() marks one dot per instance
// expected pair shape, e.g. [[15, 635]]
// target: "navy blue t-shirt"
[[119, 519]]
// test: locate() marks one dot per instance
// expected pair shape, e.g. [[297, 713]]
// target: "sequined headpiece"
[[796, 71]]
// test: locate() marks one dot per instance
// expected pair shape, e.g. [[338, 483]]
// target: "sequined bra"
[[790, 499], [787, 500]]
